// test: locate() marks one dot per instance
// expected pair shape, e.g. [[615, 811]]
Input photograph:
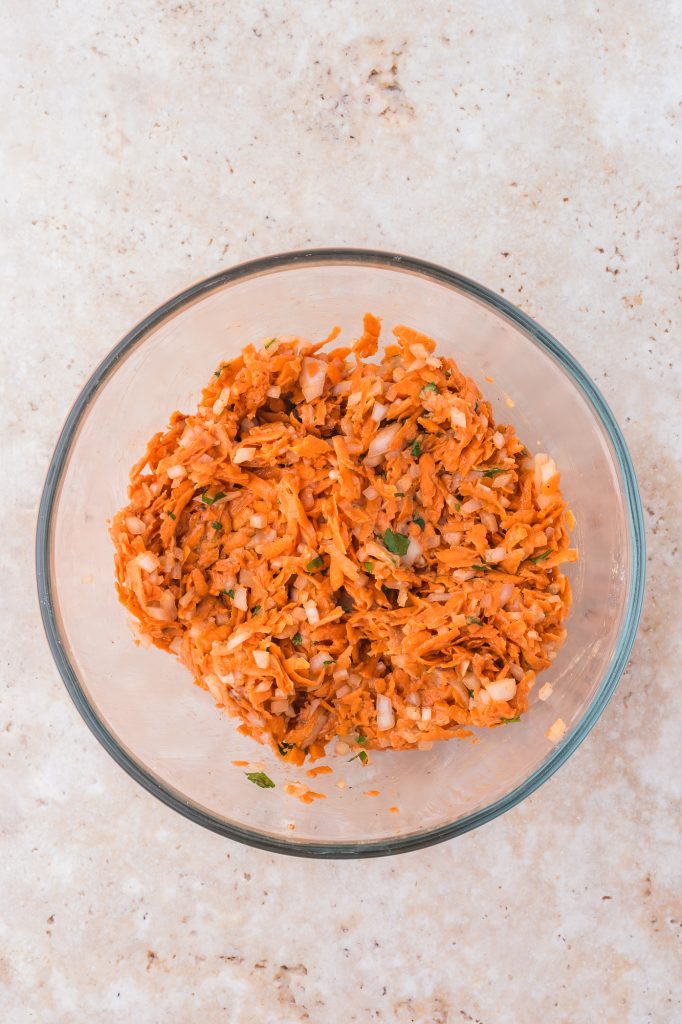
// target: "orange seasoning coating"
[[339, 548]]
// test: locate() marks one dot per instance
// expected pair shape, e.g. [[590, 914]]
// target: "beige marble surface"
[[532, 146]]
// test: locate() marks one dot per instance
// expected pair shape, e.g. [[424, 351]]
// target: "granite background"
[[535, 148]]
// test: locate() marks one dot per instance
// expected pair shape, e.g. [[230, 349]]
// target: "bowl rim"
[[539, 336]]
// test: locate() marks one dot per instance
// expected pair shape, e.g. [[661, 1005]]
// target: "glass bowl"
[[142, 705]]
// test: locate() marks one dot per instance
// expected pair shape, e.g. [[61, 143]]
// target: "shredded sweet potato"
[[340, 548]]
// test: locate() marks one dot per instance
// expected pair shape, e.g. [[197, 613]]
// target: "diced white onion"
[[370, 493], [317, 661], [262, 658], [462, 575], [545, 691], [498, 440], [313, 373], [243, 455], [426, 714], [516, 671], [439, 597], [342, 691], [506, 592], [135, 525], [414, 551], [457, 418], [385, 715], [342, 388], [239, 600], [258, 522], [274, 392], [311, 612], [472, 505], [176, 472], [382, 441], [556, 730], [544, 469], [419, 351], [452, 537], [495, 555], [413, 698], [378, 412], [148, 562], [501, 689]]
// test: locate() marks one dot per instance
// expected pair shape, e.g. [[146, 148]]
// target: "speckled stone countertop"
[[533, 147]]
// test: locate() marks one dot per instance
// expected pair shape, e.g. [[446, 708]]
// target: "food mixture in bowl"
[[339, 548]]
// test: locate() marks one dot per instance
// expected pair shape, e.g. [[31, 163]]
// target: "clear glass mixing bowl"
[[143, 706]]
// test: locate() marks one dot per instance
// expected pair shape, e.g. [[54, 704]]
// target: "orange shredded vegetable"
[[341, 548]]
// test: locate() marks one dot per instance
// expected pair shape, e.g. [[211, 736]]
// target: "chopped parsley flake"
[[396, 543], [255, 609], [284, 748], [361, 739], [542, 557], [473, 620], [457, 506], [470, 692], [329, 661], [362, 754], [482, 568], [399, 494], [429, 387], [218, 372], [416, 449], [269, 343], [216, 525], [260, 779], [172, 515], [297, 639], [419, 521], [230, 593], [314, 564], [516, 718], [492, 471], [368, 567]]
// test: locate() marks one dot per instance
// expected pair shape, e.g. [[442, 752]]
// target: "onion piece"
[[385, 715], [458, 418], [370, 493], [501, 689], [135, 526], [495, 555], [472, 505], [317, 661], [274, 392], [176, 472], [239, 600], [258, 522], [378, 412], [414, 551], [381, 442], [311, 613], [262, 659], [556, 730], [311, 379], [148, 561], [243, 454], [545, 691], [237, 638], [506, 591]]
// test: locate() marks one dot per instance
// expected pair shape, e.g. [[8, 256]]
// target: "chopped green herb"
[[482, 568], [260, 779], [255, 609], [362, 754], [216, 497], [399, 494], [297, 639], [448, 374], [419, 521], [542, 557], [329, 661], [516, 718], [396, 543], [416, 449], [457, 506], [284, 748], [172, 515], [314, 564], [230, 593], [368, 567], [429, 387], [493, 471], [361, 739], [218, 372], [470, 692], [476, 407], [269, 343], [216, 525], [473, 620]]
